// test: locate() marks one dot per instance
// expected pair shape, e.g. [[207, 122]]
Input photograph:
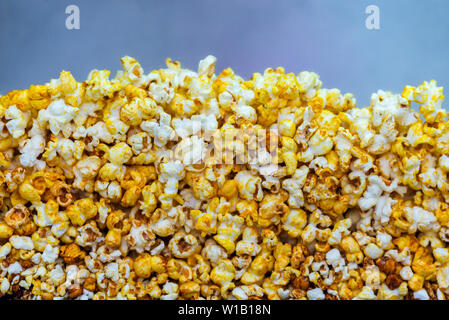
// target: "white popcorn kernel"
[[315, 294], [15, 268], [5, 250], [406, 273]]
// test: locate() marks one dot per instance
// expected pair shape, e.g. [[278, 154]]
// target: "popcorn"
[[15, 268], [406, 273], [161, 132], [248, 245], [191, 150], [120, 153], [50, 254], [56, 116], [17, 121], [132, 188], [421, 295], [373, 251], [183, 245], [315, 294], [21, 242], [422, 220], [223, 274], [228, 231], [249, 186], [5, 250]]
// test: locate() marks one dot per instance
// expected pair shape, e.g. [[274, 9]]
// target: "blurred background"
[[325, 36]]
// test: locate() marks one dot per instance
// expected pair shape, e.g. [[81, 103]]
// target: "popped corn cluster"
[[108, 190]]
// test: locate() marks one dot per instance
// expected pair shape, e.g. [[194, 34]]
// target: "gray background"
[[325, 36]]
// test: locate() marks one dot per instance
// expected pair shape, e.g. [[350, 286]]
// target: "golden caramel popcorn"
[[176, 184]]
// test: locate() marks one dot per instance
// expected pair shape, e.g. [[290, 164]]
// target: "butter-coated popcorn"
[[17, 121], [161, 186]]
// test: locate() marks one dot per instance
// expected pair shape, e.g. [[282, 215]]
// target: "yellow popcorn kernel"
[[442, 217], [149, 202], [142, 265], [202, 188], [265, 116], [281, 254], [76, 98], [210, 292], [408, 92], [5, 144], [117, 220], [89, 284], [229, 189], [130, 113], [183, 245], [99, 85], [201, 268], [62, 192], [136, 177], [249, 186], [290, 161], [26, 229], [19, 98], [206, 222], [111, 172], [131, 91], [223, 274], [431, 97], [288, 144], [249, 243], [17, 216], [411, 166], [132, 67], [17, 199], [39, 181], [68, 83], [248, 210], [39, 97]]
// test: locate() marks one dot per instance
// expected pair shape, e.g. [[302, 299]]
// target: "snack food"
[[187, 185]]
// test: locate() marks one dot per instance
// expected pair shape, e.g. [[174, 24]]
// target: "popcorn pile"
[[108, 190]]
